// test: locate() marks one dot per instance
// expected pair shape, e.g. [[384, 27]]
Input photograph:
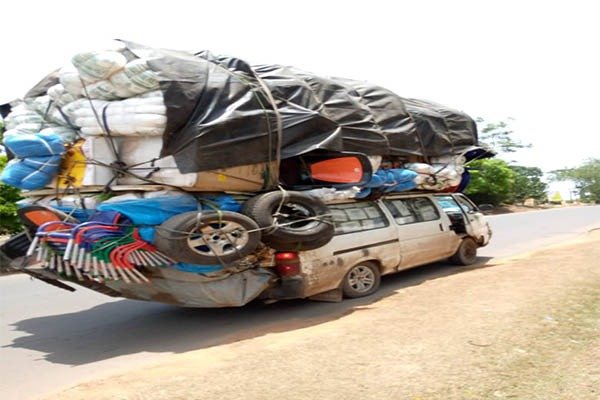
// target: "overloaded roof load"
[[223, 112]]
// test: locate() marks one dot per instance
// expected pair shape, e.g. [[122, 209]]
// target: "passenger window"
[[412, 210], [355, 217]]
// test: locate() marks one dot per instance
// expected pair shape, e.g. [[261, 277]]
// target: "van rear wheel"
[[466, 254], [362, 280]]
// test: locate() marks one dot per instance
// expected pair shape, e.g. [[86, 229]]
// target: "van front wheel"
[[466, 253], [362, 280]]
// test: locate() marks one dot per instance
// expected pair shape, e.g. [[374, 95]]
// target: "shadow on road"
[[127, 327]]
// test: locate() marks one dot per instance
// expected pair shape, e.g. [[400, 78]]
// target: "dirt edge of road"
[[523, 327]]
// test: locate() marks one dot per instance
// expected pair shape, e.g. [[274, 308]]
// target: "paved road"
[[522, 232], [51, 339]]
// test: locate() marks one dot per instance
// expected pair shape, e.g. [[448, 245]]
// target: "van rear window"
[[355, 217]]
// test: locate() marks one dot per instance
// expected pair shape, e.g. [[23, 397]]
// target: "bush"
[[492, 182], [9, 222]]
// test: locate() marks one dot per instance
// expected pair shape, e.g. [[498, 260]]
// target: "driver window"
[[467, 206]]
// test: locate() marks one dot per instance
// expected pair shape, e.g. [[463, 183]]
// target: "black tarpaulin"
[[223, 112], [238, 108]]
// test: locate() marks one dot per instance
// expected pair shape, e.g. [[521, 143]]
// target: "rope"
[[126, 172], [279, 131], [103, 123], [68, 121], [184, 234]]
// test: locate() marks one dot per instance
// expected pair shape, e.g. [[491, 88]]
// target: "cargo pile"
[[169, 134]]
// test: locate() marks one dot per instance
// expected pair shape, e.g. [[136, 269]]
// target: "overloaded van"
[[380, 237], [206, 181], [363, 240]]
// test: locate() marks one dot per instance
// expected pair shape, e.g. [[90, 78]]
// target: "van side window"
[[355, 217], [465, 204], [412, 210], [448, 204]]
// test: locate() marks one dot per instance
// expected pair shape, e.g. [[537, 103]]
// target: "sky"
[[535, 61]]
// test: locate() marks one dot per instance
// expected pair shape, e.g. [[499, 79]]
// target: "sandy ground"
[[525, 328]]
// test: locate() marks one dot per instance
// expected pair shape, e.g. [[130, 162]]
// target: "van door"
[[424, 232], [362, 232], [477, 226]]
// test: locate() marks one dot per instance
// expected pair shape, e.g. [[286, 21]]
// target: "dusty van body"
[[375, 238], [372, 238]]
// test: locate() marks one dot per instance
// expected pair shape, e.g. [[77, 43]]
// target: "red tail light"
[[287, 263]]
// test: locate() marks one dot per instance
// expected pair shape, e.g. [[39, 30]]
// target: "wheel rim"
[[295, 216], [218, 238], [361, 279]]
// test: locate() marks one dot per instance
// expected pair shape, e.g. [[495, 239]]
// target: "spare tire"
[[289, 217], [298, 246], [207, 238]]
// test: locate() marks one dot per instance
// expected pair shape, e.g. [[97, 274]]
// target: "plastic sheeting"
[[222, 112], [388, 181], [193, 290], [154, 211]]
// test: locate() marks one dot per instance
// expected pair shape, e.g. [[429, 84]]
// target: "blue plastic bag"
[[389, 181], [30, 175], [198, 269], [35, 144], [153, 211], [156, 210], [48, 164], [391, 177]]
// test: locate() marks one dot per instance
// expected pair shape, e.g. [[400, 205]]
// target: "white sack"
[[142, 115], [69, 78], [23, 114], [103, 90], [96, 66], [60, 96], [135, 78]]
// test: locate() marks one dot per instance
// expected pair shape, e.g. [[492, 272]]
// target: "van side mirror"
[[485, 207]]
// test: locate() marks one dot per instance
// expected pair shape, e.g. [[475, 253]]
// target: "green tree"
[[586, 178], [498, 136], [9, 222], [528, 183], [492, 181]]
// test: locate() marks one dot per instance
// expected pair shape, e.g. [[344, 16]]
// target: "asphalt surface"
[[52, 339]]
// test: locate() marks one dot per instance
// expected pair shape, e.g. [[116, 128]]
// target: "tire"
[[288, 214], [466, 254], [361, 280], [216, 238], [299, 246]]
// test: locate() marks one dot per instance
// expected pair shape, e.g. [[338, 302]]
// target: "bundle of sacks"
[[38, 157], [444, 174], [438, 176], [144, 115], [109, 91], [116, 92], [91, 95]]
